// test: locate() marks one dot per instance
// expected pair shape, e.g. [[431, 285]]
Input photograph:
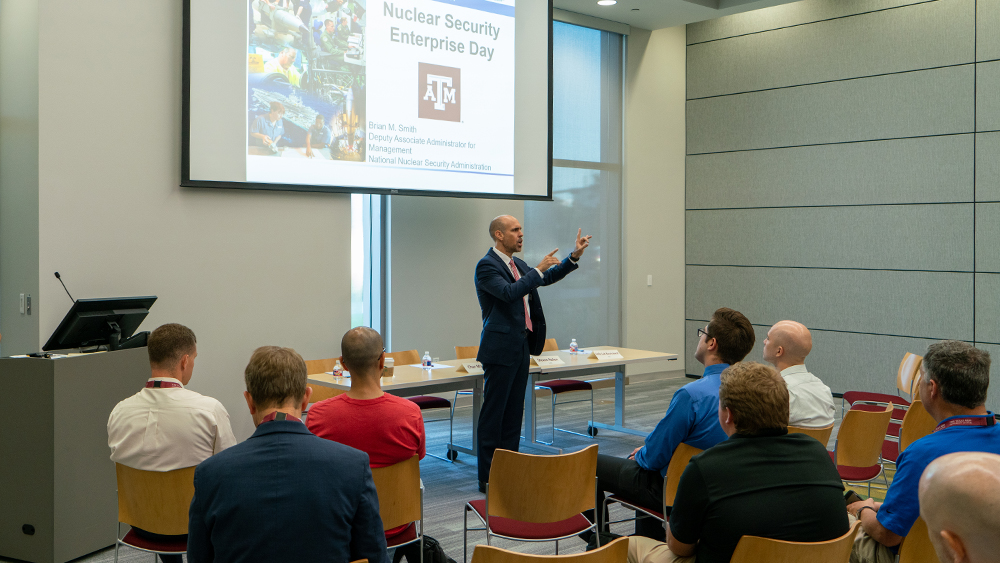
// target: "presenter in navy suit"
[[284, 494], [513, 330]]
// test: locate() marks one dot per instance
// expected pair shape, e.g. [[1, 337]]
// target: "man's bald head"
[[361, 348], [788, 342], [960, 502], [499, 224]]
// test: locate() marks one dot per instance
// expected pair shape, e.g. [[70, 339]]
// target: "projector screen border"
[[187, 182]]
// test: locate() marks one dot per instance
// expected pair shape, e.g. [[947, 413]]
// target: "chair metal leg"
[[553, 397], [557, 547], [118, 534], [465, 536]]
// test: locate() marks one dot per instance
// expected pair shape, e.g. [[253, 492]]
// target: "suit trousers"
[[503, 408], [627, 479]]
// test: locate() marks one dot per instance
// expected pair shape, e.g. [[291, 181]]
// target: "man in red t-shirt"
[[389, 429]]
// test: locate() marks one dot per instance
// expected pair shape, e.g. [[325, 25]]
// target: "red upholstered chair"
[[427, 402], [859, 445], [546, 506], [678, 462], [157, 502], [557, 387]]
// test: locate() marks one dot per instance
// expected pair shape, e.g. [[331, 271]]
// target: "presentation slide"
[[431, 96]]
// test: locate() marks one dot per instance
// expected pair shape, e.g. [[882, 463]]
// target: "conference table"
[[412, 380]]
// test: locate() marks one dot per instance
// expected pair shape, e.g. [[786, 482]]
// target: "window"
[[367, 250]]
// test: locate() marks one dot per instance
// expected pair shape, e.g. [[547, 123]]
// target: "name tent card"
[[601, 355], [543, 361], [471, 368]]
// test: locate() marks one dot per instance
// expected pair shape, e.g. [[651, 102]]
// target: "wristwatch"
[[860, 510]]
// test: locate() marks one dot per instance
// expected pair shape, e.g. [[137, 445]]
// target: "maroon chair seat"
[[848, 473], [404, 537], [854, 396], [425, 402], [516, 529], [654, 513], [170, 547], [897, 413], [564, 385]]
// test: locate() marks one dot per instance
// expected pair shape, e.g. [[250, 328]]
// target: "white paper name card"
[[544, 361], [474, 368], [605, 355]]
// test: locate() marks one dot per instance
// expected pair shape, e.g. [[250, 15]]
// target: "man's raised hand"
[[581, 244], [548, 261]]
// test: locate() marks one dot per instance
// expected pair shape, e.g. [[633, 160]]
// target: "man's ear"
[[250, 404], [954, 545], [779, 352], [305, 398]]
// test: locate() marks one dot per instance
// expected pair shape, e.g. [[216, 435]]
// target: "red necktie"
[[527, 314]]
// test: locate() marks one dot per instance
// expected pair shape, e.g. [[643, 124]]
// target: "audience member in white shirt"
[[810, 401], [165, 426]]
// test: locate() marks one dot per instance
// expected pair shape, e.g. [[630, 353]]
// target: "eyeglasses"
[[703, 331]]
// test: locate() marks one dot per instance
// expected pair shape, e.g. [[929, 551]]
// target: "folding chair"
[[916, 546], [614, 552], [427, 402], [821, 434], [675, 468], [557, 387], [401, 502], [156, 502], [859, 443], [754, 549]]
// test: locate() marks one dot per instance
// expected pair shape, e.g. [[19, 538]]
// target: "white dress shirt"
[[162, 429], [810, 401]]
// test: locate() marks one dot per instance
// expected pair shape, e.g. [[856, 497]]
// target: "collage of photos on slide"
[[306, 79]]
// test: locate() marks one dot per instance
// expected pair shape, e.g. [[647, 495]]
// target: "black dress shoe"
[[482, 487]]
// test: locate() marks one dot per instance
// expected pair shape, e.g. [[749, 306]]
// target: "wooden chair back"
[[909, 371], [859, 441], [542, 488], [917, 546], [398, 488], [753, 549], [156, 501], [319, 392], [550, 346], [678, 462], [917, 423], [404, 358], [466, 352], [614, 552], [821, 434], [360, 561]]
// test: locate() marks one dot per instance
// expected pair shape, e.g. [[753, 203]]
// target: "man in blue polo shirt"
[[692, 418], [953, 384]]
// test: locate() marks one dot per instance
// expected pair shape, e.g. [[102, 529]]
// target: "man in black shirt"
[[762, 481]]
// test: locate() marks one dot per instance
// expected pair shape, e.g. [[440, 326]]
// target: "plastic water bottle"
[[338, 370], [574, 348], [426, 361]]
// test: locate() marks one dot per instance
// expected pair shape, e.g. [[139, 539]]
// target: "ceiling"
[[658, 14]]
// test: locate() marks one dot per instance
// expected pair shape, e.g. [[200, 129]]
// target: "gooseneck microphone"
[[58, 277]]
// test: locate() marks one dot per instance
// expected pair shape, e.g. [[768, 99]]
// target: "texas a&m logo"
[[439, 89]]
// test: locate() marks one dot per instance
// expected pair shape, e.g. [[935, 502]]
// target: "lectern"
[[57, 481]]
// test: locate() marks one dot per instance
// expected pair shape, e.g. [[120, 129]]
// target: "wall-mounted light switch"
[[20, 302], [649, 280]]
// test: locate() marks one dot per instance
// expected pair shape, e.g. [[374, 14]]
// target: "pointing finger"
[[578, 233], [553, 252]]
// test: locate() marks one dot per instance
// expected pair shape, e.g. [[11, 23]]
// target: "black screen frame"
[[187, 182]]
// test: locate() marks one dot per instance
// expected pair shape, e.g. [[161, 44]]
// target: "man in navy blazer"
[[513, 330], [284, 494]]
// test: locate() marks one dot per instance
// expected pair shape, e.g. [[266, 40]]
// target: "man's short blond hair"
[[274, 376], [756, 395]]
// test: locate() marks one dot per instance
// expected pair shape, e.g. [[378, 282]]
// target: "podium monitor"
[[106, 321]]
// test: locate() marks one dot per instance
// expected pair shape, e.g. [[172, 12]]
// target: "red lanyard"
[[279, 416], [157, 384], [987, 420]]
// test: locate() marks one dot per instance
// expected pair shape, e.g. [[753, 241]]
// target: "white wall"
[[242, 269], [654, 194], [436, 243]]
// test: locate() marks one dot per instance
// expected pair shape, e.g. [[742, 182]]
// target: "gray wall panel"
[[930, 102], [923, 36], [988, 238], [987, 30], [905, 237], [797, 13], [921, 304], [843, 361], [987, 97], [988, 309], [993, 396], [929, 169], [987, 167]]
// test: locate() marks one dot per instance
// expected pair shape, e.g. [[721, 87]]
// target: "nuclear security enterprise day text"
[[442, 43]]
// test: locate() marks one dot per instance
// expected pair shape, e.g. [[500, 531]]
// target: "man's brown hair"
[[168, 344], [756, 395], [275, 375], [733, 334]]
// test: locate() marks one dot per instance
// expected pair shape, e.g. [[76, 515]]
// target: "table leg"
[[619, 425], [531, 417], [477, 404]]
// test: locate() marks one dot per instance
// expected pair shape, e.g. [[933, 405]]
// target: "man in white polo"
[[810, 401], [165, 426]]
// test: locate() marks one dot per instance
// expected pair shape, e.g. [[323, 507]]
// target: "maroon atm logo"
[[439, 89]]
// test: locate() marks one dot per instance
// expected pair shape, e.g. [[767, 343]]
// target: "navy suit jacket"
[[500, 298], [285, 495]]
